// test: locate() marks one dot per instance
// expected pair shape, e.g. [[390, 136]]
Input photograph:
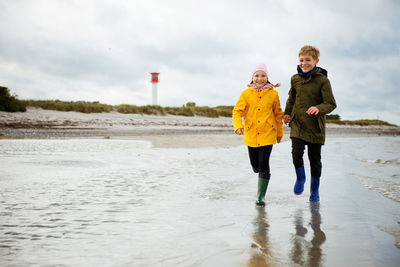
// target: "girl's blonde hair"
[[274, 85]]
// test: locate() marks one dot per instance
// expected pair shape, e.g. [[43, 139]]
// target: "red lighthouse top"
[[154, 77]]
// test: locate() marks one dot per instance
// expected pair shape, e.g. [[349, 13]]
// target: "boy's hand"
[[312, 111], [239, 131], [278, 139], [286, 119]]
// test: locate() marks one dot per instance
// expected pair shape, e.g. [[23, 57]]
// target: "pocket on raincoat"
[[292, 119], [248, 124], [320, 124]]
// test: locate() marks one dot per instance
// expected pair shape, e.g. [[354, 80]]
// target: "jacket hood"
[[322, 71]]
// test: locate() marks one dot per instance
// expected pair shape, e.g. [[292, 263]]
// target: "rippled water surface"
[[125, 203], [379, 159]]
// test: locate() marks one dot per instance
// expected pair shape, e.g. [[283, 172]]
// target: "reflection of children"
[[310, 98], [315, 254], [260, 107]]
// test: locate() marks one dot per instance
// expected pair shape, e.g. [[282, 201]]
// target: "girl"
[[260, 107]]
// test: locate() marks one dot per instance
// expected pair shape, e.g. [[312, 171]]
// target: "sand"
[[181, 131]]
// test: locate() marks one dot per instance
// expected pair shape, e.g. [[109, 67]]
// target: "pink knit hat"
[[260, 67]]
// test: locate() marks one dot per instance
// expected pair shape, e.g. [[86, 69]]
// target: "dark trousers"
[[314, 155], [259, 160]]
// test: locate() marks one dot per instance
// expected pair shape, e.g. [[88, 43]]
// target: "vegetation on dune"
[[79, 106], [133, 109], [224, 111], [10, 103], [334, 118], [361, 122], [189, 110], [181, 111], [205, 112]]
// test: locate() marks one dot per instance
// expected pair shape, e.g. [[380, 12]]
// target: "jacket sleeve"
[[328, 100], [238, 112], [278, 116], [291, 99]]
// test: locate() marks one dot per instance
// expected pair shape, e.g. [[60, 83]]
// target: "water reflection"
[[261, 251], [308, 253]]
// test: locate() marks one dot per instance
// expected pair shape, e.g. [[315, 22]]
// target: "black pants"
[[259, 159], [314, 155]]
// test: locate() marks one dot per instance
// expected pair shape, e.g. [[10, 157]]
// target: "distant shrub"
[[10, 102], [183, 111], [127, 109], [224, 111], [190, 104], [205, 112], [335, 117], [152, 110]]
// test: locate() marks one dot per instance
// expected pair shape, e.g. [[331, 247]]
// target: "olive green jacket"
[[304, 93]]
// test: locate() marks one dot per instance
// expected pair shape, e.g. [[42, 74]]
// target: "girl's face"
[[307, 62], [260, 79]]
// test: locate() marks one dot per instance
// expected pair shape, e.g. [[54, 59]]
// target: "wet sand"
[[202, 213], [98, 202]]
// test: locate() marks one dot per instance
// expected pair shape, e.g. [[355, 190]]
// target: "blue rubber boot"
[[300, 180], [314, 196]]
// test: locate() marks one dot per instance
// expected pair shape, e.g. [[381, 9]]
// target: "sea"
[[109, 202]]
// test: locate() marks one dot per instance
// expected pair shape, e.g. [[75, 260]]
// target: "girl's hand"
[[278, 139], [286, 119], [312, 111], [239, 131]]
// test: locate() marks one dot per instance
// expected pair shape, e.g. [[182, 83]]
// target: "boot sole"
[[260, 204]]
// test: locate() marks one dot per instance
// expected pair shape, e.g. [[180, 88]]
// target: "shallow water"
[[379, 159], [125, 203]]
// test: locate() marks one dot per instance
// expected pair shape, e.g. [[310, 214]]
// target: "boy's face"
[[307, 62], [260, 79]]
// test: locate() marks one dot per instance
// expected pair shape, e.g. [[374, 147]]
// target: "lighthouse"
[[154, 81]]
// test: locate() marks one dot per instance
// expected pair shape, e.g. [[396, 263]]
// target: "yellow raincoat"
[[262, 116]]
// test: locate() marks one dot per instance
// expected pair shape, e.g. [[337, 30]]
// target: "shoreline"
[[181, 130]]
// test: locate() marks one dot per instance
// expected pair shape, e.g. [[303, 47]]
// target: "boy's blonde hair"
[[310, 51]]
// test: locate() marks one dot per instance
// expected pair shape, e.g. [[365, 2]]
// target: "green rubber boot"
[[262, 188]]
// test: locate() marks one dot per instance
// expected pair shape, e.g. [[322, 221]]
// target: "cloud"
[[104, 50]]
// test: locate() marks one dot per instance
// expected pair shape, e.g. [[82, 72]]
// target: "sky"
[[98, 50]]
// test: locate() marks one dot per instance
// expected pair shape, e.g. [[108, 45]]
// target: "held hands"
[[239, 131], [278, 139], [312, 111], [286, 119]]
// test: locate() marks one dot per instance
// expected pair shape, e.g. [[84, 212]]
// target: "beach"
[[134, 190], [39, 123]]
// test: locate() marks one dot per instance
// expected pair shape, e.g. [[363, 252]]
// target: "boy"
[[310, 98]]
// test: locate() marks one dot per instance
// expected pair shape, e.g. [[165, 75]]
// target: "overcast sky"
[[97, 50]]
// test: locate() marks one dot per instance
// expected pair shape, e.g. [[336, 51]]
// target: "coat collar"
[[318, 71], [270, 87]]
